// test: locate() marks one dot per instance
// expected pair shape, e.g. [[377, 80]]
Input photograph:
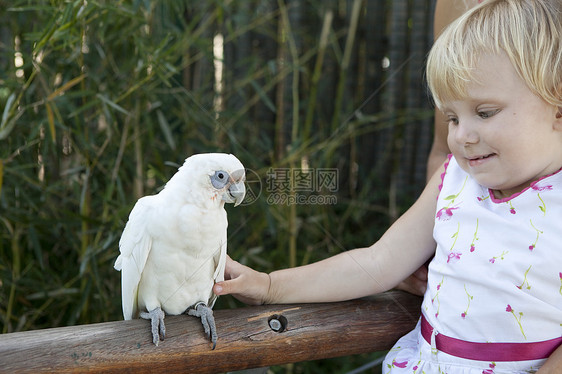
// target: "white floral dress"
[[496, 278]]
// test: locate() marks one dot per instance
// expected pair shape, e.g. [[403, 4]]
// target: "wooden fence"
[[247, 339]]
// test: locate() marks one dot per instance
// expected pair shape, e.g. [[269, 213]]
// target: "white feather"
[[173, 248]]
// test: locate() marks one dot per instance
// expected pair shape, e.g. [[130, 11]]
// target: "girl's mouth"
[[479, 160]]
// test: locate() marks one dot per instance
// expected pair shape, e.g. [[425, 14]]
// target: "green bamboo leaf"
[[1, 175], [112, 104], [165, 126], [7, 108], [51, 121], [263, 96], [47, 34], [8, 122], [53, 293], [61, 90], [34, 239]]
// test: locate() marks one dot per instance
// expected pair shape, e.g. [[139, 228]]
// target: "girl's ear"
[[558, 120], [557, 123]]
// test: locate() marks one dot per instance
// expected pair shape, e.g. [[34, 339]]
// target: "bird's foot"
[[156, 317], [202, 311]]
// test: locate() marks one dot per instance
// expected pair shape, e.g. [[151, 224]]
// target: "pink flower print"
[[511, 208], [518, 318], [474, 238], [401, 365], [470, 298], [536, 187], [542, 207], [525, 282], [454, 257], [490, 370], [539, 232], [436, 297], [500, 257], [445, 214], [560, 275]]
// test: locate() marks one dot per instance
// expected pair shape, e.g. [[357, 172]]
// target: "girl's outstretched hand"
[[247, 285]]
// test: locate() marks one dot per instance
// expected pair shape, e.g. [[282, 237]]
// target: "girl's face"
[[502, 134]]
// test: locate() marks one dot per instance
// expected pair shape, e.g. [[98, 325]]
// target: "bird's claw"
[[156, 317], [202, 311]]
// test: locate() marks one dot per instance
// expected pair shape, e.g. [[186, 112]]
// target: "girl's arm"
[[554, 363], [351, 274]]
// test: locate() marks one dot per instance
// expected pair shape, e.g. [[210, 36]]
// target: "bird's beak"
[[237, 192]]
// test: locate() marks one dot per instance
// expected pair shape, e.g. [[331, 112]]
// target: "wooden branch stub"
[[248, 337]]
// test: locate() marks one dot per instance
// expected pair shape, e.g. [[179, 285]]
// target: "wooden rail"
[[246, 340]]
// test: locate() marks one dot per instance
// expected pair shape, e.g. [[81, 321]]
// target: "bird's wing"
[[220, 263], [135, 245]]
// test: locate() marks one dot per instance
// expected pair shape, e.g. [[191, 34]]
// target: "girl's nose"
[[466, 133]]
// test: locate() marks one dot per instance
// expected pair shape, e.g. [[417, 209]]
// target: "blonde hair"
[[528, 31]]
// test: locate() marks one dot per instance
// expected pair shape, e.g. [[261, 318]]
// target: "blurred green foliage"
[[102, 100]]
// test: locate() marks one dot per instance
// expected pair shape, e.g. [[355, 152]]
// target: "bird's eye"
[[219, 179]]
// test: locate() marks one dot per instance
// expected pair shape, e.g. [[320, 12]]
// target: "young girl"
[[491, 217]]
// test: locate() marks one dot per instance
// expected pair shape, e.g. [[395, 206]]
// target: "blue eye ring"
[[219, 179]]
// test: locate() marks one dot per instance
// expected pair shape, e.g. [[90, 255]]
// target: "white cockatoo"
[[173, 248]]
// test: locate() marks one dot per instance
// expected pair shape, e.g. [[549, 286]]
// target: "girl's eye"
[[487, 113], [453, 120]]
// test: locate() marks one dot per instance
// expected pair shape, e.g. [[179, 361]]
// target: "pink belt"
[[489, 351]]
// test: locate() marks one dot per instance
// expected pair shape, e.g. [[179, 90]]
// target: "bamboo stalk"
[[344, 66], [292, 213], [138, 185], [16, 267], [85, 237], [316, 74], [280, 97]]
